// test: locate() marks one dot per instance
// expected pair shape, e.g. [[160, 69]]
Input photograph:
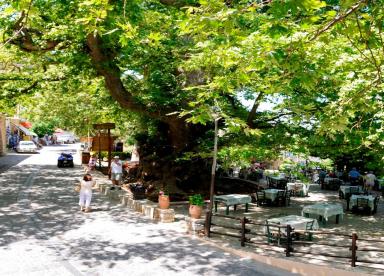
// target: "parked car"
[[65, 160], [26, 146]]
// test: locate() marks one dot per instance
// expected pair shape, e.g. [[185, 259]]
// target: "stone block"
[[139, 205], [149, 210], [194, 226], [165, 215], [130, 203]]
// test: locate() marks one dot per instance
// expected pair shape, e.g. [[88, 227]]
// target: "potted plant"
[[163, 200], [196, 206]]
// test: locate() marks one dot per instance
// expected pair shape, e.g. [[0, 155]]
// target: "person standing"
[[116, 171], [86, 186], [370, 179]]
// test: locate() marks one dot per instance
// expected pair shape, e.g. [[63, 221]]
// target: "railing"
[[345, 245]]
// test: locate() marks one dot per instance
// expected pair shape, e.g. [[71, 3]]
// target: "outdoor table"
[[271, 194], [324, 211], [371, 200], [346, 189], [298, 187], [233, 199], [296, 222]]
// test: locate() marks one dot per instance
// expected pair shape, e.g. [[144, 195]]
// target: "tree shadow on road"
[[40, 204]]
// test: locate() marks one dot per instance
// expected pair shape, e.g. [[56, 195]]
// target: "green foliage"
[[323, 85], [196, 200], [43, 128]]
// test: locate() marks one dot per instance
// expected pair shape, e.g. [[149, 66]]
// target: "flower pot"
[[163, 201], [195, 211]]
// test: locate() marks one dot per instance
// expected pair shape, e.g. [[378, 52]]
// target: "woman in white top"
[[86, 192]]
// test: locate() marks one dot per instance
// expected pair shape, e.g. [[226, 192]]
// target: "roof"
[[25, 130]]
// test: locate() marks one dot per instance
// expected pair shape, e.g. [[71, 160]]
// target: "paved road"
[[42, 232]]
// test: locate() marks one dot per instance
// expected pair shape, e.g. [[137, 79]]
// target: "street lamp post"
[[213, 173]]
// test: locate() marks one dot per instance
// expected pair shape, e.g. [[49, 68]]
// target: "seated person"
[[92, 163], [354, 176]]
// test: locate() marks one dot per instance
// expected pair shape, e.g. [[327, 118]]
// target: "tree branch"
[[252, 113], [338, 18]]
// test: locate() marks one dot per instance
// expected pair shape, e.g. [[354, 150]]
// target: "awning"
[[25, 130]]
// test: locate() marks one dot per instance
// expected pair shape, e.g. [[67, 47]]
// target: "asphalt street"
[[42, 231]]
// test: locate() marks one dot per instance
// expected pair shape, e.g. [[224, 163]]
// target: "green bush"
[[196, 200], [123, 155]]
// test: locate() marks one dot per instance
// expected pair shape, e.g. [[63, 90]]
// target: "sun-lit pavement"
[[42, 232]]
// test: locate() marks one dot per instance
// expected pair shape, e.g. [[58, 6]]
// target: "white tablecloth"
[[371, 200], [296, 222], [271, 193], [325, 210], [346, 189], [298, 187], [233, 199]]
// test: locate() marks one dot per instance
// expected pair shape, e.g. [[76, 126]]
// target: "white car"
[[66, 138], [26, 146]]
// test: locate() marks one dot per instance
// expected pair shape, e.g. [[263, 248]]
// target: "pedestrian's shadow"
[[98, 210]]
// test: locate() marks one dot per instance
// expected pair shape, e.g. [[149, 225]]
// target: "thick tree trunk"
[[157, 164]]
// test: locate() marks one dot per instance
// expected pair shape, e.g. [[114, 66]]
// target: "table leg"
[[246, 207], [215, 206], [348, 204], [234, 207], [337, 219], [227, 210]]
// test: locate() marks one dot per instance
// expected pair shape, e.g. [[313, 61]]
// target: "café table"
[[298, 188], [324, 211], [345, 190], [296, 222], [232, 199], [271, 193]]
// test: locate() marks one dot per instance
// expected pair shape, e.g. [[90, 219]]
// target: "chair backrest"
[[354, 190], [280, 194], [362, 202], [309, 225], [260, 195]]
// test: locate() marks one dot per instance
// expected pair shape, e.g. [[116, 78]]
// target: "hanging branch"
[[338, 18], [369, 49]]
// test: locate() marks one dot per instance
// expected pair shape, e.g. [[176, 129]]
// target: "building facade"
[[3, 133]]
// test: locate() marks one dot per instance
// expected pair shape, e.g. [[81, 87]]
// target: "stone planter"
[[195, 211], [164, 202]]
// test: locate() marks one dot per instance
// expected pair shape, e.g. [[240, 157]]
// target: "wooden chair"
[[260, 198], [309, 227], [274, 233], [375, 203], [362, 206], [281, 198]]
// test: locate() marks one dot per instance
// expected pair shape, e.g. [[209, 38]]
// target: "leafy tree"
[[177, 64]]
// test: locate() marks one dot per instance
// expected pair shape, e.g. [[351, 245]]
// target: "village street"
[[42, 231]]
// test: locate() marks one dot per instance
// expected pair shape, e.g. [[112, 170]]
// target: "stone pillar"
[[165, 215]]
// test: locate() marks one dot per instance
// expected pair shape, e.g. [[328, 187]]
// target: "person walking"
[[116, 171], [370, 179], [86, 186]]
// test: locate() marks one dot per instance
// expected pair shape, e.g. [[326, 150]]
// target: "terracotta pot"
[[195, 211], [164, 202]]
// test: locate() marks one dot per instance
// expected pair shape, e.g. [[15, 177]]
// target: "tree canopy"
[[167, 67]]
